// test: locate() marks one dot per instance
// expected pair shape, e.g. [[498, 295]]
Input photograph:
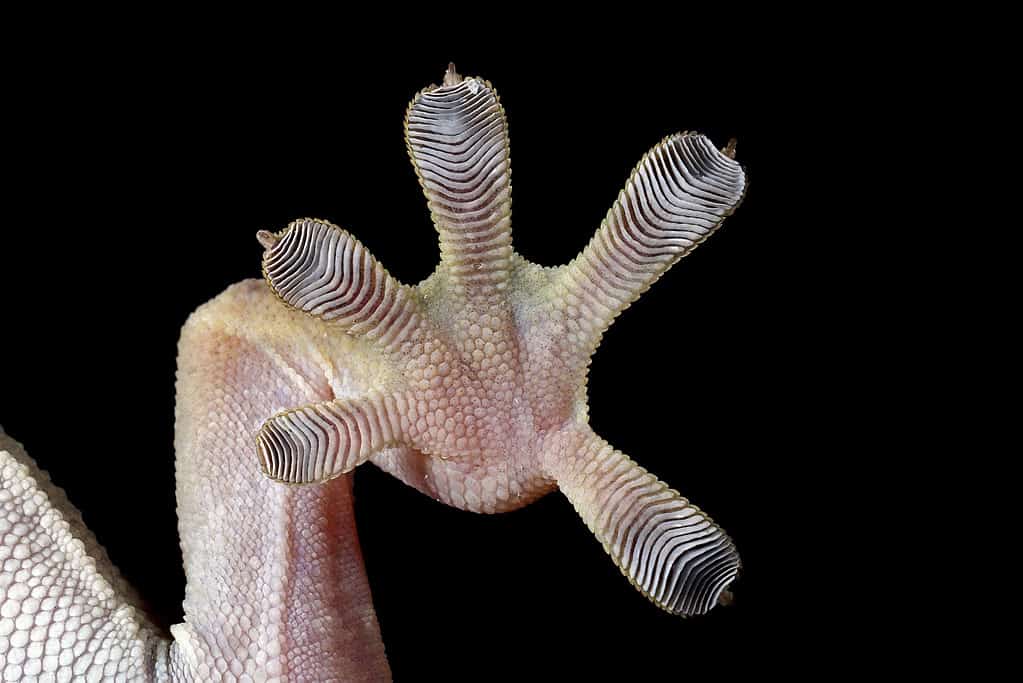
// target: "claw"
[[267, 239], [451, 76], [729, 149]]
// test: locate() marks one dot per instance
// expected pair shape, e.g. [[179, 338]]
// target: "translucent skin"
[[276, 583], [485, 427], [486, 360], [470, 387]]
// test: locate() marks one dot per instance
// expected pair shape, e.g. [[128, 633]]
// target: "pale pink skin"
[[276, 582], [276, 585], [490, 414]]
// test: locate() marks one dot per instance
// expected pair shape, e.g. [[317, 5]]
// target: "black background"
[[140, 176]]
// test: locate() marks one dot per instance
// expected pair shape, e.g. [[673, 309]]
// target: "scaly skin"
[[276, 585], [490, 353], [471, 387]]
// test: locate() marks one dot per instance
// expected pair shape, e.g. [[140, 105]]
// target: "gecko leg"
[[490, 353]]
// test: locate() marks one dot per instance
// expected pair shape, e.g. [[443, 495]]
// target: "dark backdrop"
[[140, 178]]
